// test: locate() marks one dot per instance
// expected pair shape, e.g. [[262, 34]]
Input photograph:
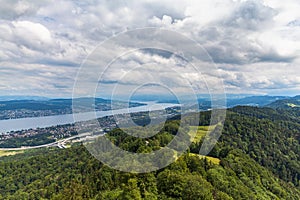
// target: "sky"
[[248, 47]]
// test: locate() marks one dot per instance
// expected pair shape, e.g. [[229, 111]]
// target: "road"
[[57, 143]]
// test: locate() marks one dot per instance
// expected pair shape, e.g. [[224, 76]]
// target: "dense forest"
[[257, 157]]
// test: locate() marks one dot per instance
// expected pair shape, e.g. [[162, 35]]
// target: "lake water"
[[42, 122]]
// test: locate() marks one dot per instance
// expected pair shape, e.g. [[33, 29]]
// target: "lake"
[[47, 121]]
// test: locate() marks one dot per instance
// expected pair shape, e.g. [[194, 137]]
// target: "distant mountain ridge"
[[204, 101], [256, 157], [288, 103], [11, 98], [232, 101], [13, 109], [49, 104], [255, 100]]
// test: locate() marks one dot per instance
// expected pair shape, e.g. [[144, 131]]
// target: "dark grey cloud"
[[232, 40], [252, 15], [61, 86], [102, 81], [14, 9], [239, 52], [162, 53], [57, 63], [273, 57], [45, 41], [294, 23]]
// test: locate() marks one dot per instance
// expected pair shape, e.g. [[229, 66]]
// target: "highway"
[[57, 143]]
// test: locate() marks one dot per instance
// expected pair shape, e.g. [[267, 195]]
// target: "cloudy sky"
[[253, 46]]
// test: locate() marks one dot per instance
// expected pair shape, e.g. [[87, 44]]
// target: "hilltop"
[[257, 157]]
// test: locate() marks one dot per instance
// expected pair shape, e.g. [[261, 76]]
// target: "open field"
[[292, 105], [9, 153], [213, 160], [200, 132]]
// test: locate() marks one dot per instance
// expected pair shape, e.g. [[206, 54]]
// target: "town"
[[80, 131]]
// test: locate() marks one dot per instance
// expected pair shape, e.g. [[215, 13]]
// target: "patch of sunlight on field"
[[9, 153], [213, 160], [198, 132], [292, 105]]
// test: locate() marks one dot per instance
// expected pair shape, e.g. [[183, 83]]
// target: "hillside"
[[287, 103], [232, 101], [257, 157], [288, 107], [13, 109], [254, 100], [55, 104]]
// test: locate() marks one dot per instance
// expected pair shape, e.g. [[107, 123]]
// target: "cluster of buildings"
[[93, 127], [24, 113], [56, 132]]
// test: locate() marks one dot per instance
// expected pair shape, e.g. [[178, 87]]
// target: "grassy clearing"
[[292, 105], [9, 153], [213, 160], [199, 132]]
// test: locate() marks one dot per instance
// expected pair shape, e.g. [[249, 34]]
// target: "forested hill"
[[12, 109], [272, 138], [257, 157], [288, 103], [58, 104]]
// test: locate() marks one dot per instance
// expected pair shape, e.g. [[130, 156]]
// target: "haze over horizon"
[[254, 44]]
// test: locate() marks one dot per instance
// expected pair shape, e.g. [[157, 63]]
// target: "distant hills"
[[204, 101], [54, 104], [256, 157], [254, 100], [232, 101], [287, 103], [10, 98], [42, 104], [12, 109]]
